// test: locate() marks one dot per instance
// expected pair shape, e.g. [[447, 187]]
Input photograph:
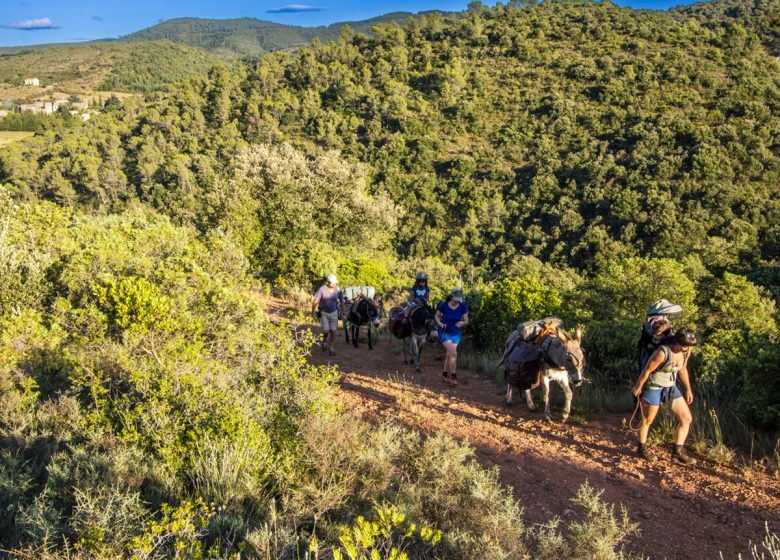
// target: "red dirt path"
[[688, 513]]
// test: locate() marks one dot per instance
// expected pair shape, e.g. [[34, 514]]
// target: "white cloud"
[[32, 24], [293, 9]]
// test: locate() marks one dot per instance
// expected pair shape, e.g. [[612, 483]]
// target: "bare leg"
[[648, 415], [684, 418], [451, 360]]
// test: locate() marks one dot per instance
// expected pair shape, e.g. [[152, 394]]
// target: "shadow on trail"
[[683, 513]]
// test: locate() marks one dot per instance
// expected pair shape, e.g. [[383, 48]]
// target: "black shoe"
[[642, 452], [680, 456], [445, 377]]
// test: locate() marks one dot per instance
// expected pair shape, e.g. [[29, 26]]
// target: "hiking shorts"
[[329, 321], [655, 397], [454, 338]]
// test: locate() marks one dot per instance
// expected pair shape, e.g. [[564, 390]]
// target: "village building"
[[32, 82]]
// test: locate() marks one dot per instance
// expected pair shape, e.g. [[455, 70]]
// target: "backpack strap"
[[667, 358]]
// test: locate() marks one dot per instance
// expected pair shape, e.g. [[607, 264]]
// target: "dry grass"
[[8, 136]]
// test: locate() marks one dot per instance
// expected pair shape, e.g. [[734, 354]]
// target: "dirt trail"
[[688, 513]]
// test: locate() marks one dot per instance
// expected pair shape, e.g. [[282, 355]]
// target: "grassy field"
[[6, 137]]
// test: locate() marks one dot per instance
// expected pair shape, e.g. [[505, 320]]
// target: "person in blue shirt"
[[420, 293], [451, 316]]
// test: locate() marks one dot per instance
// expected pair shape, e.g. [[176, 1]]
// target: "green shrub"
[[612, 352], [759, 400], [362, 272], [390, 536], [447, 489], [596, 534], [512, 301], [625, 288], [134, 304]]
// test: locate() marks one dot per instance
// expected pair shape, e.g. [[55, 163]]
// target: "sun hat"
[[664, 307], [457, 294], [331, 279]]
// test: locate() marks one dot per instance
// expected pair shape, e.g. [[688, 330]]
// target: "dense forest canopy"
[[573, 132], [761, 16]]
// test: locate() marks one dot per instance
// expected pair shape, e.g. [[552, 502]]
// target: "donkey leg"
[[417, 351], [529, 400], [405, 343], [568, 392], [370, 339], [346, 332], [508, 398], [355, 335], [546, 393]]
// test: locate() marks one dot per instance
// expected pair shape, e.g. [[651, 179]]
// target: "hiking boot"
[[680, 456], [643, 452]]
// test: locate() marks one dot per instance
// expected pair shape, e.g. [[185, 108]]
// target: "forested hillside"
[[573, 133], [760, 16], [572, 158], [249, 37], [108, 66]]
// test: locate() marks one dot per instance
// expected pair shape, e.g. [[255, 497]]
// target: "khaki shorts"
[[329, 321]]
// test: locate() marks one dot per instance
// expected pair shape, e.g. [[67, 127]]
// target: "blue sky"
[[28, 22]]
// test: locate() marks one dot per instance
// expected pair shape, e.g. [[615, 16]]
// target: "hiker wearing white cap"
[[325, 307]]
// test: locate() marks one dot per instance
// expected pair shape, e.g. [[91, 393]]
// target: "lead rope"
[[633, 416]]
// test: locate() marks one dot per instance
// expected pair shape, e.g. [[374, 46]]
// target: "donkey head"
[[575, 357], [370, 310]]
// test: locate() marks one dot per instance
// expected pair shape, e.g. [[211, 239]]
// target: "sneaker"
[[642, 452], [445, 377], [453, 379], [680, 456]]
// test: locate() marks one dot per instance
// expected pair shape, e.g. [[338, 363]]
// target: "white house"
[[32, 82]]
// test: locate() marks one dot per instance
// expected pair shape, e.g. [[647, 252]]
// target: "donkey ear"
[[578, 333]]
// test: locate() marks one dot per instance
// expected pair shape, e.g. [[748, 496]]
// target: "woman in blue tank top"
[[451, 316]]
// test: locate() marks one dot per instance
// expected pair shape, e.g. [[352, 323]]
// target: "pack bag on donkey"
[[529, 348]]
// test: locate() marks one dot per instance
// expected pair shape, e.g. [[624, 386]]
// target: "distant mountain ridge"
[[249, 36], [170, 51]]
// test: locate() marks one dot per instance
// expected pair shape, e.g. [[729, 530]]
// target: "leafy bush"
[[612, 352], [597, 534], [389, 536], [625, 288], [512, 301], [362, 272]]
